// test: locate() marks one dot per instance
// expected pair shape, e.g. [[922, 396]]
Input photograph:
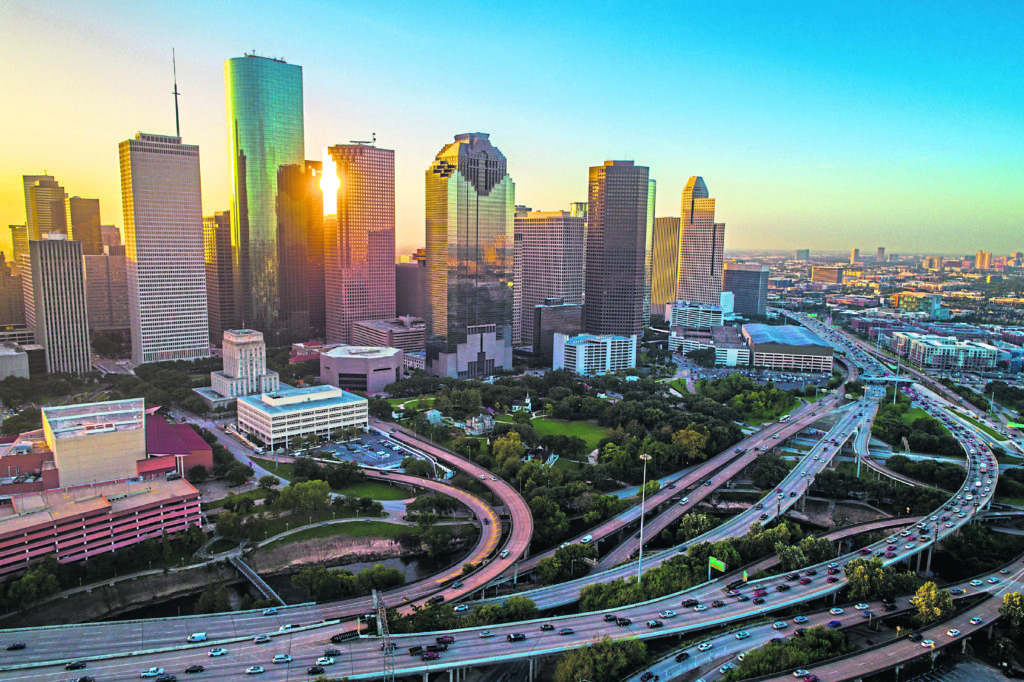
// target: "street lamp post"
[[643, 494]]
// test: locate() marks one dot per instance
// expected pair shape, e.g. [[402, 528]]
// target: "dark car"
[[833, 570], [623, 622], [888, 607], [315, 670], [743, 597], [195, 668], [429, 656], [759, 601], [515, 637], [792, 576], [337, 652], [84, 678], [166, 677], [916, 637], [810, 571], [16, 646], [835, 624], [781, 587], [75, 665], [611, 617], [436, 599], [831, 579], [547, 627], [682, 656], [443, 639], [687, 603]]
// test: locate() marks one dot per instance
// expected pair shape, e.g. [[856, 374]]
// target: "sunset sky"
[[815, 124]]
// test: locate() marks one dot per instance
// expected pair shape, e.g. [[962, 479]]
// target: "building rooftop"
[[33, 509], [395, 324], [163, 438], [788, 335], [73, 421], [583, 339], [362, 352], [288, 400]]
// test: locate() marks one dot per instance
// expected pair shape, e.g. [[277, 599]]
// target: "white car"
[[953, 632], [270, 612], [282, 658], [151, 672], [218, 651], [742, 634], [325, 660], [462, 607], [976, 582], [667, 613], [836, 611], [700, 607], [587, 539], [704, 646], [861, 607], [927, 643], [197, 637], [486, 634], [254, 670]]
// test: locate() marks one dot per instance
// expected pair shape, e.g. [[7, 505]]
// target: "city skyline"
[[796, 134]]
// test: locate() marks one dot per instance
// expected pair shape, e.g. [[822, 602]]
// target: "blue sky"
[[815, 125]]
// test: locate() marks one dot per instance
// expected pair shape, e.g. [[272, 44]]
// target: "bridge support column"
[[531, 673], [928, 564], [897, 671], [452, 675]]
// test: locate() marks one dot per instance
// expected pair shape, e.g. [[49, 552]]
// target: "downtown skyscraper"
[[701, 246], [469, 224], [620, 223], [359, 243], [55, 303], [46, 206], [265, 138], [163, 223]]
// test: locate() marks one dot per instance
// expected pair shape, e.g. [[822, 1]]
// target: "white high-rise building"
[[163, 224], [245, 366], [55, 303]]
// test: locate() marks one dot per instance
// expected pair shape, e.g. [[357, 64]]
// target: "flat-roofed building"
[[13, 363], [730, 349], [826, 275], [290, 413], [554, 316], [173, 448], [406, 332], [693, 315], [590, 355], [930, 351], [787, 347], [748, 283], [96, 442], [361, 368], [83, 522], [106, 290]]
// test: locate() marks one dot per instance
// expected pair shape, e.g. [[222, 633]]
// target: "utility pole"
[[643, 493]]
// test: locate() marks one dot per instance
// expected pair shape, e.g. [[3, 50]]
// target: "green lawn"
[[376, 491], [282, 469], [567, 464], [257, 494], [588, 431], [221, 545], [1015, 501], [987, 429], [679, 385]]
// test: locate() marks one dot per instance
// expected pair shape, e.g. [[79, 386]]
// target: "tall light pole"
[[643, 494]]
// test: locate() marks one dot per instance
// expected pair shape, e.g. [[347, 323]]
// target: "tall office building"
[[664, 264], [748, 283], [265, 133], [110, 235], [84, 215], [620, 223], [19, 243], [55, 305], [106, 290], [550, 253], [220, 282], [359, 251], [163, 226], [701, 246], [469, 206], [802, 254], [983, 260], [854, 256], [411, 286], [880, 254], [46, 208], [300, 249], [12, 295]]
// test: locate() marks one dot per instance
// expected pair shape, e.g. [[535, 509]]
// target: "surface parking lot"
[[372, 450]]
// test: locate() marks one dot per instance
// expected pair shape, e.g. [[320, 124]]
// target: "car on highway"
[[566, 631], [261, 639], [74, 665], [993, 580], [742, 634], [151, 672], [782, 587], [282, 658], [314, 670], [270, 611], [623, 622], [687, 603], [953, 632], [717, 604], [195, 668], [461, 607], [759, 600], [976, 583], [429, 656], [325, 660], [254, 670], [861, 607], [704, 646], [515, 637], [682, 656], [801, 673], [780, 625], [197, 637], [667, 613], [16, 646], [835, 624], [587, 539], [486, 634], [546, 627], [700, 607], [654, 623], [805, 581], [927, 643], [977, 620], [800, 620]]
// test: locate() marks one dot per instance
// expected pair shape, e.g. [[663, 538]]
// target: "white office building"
[[279, 418], [163, 224], [589, 355]]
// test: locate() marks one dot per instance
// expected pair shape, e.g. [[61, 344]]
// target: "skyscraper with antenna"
[[177, 121]]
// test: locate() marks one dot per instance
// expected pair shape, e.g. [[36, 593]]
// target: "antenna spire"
[[177, 122]]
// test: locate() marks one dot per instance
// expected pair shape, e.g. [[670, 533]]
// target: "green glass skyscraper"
[[265, 135], [470, 199]]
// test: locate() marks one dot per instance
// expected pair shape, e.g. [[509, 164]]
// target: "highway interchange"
[[122, 650]]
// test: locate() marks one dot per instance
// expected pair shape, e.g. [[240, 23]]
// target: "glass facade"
[[701, 246], [470, 201], [265, 135], [619, 226]]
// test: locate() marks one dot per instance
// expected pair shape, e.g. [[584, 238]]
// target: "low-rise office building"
[[361, 368], [787, 348], [407, 332], [590, 355], [278, 418]]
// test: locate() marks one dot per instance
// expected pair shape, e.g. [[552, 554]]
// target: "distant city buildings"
[[163, 225], [55, 303], [407, 333], [550, 252], [802, 254], [84, 220], [265, 137], [360, 243], [411, 286], [701, 246], [106, 290], [594, 355], [220, 285], [826, 275], [12, 295], [930, 351], [620, 225], [469, 229], [983, 260], [880, 255], [46, 207], [854, 256]]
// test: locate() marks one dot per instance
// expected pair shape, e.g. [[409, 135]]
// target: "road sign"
[[716, 563]]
